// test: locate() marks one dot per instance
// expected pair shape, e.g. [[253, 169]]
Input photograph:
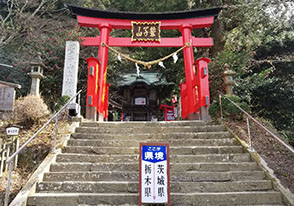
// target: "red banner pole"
[[103, 56]]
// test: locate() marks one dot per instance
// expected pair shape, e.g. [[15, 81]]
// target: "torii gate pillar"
[[103, 56], [189, 68]]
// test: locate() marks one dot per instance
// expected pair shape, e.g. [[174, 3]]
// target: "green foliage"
[[259, 47], [51, 47], [229, 110], [61, 102]]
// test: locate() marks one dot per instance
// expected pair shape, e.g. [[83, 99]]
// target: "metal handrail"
[[259, 124], [10, 162]]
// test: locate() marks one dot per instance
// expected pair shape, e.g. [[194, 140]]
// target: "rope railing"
[[149, 63], [257, 122], [11, 158]]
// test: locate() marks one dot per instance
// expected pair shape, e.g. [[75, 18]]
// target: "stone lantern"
[[36, 74], [229, 79]]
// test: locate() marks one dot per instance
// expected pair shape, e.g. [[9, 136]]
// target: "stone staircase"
[[100, 166]]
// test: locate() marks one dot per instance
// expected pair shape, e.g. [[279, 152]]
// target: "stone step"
[[89, 158], [145, 124], [133, 187], [192, 150], [159, 204], [150, 136], [135, 143], [178, 167], [177, 199], [141, 130], [112, 205], [193, 176], [227, 198]]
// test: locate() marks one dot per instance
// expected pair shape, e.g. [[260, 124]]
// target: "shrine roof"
[[81, 11], [149, 78], [9, 84]]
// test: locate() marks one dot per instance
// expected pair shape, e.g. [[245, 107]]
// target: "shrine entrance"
[[146, 29]]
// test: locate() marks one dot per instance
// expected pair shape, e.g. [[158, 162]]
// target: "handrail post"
[[249, 135], [79, 105], [260, 125], [7, 193], [221, 107], [55, 134]]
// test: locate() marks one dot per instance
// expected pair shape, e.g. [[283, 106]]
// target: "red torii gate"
[[194, 91]]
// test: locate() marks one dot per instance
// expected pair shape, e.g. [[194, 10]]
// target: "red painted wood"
[[103, 56], [194, 91], [203, 80], [92, 87], [189, 69], [184, 100], [126, 24], [164, 42]]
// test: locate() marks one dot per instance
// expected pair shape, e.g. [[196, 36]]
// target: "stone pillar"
[[70, 74], [229, 79], [36, 74]]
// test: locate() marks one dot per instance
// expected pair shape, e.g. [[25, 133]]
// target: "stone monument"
[[229, 79], [70, 73], [7, 97]]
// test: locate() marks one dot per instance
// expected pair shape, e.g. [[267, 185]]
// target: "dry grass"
[[278, 158], [32, 155]]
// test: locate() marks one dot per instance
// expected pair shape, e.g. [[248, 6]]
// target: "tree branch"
[[37, 9]]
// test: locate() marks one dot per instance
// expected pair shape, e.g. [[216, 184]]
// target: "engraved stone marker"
[[70, 73], [6, 98]]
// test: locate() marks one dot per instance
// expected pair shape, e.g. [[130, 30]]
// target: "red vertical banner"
[[92, 86], [106, 100], [203, 79], [184, 100]]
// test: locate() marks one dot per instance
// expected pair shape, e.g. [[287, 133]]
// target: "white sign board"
[[140, 101], [170, 116], [154, 173], [12, 131], [70, 73]]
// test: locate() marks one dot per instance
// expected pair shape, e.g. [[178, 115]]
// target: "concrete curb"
[[30, 186], [287, 195]]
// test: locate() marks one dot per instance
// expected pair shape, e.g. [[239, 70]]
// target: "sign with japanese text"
[[145, 31], [12, 131], [170, 116], [154, 173], [140, 101]]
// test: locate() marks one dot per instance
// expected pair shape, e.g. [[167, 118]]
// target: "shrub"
[[30, 110], [229, 110]]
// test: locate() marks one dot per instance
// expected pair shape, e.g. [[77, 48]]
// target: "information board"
[[154, 173], [13, 131]]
